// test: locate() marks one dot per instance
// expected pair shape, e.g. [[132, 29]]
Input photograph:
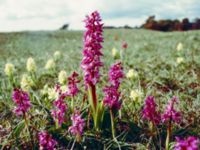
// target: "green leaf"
[[18, 128]]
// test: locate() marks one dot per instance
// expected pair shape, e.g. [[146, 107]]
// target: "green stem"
[[168, 136], [93, 103], [56, 123], [120, 114], [72, 104], [151, 134], [27, 127], [112, 123], [92, 89], [11, 80]]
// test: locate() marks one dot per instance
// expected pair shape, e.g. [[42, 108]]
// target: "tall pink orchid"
[[60, 107], [77, 126], [91, 61], [111, 98], [93, 38], [170, 115], [22, 100], [46, 142], [72, 84], [150, 111], [111, 93]]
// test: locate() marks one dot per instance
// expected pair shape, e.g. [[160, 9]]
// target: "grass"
[[152, 54]]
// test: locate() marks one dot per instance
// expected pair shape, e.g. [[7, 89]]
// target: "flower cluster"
[[62, 77], [57, 55], [111, 97], [21, 99], [149, 111], [72, 84], [78, 124], [190, 143], [132, 74], [179, 60], [50, 65], [92, 49], [124, 45], [136, 95], [170, 112], [26, 82], [115, 53], [30, 65], [52, 94], [46, 142], [116, 74], [9, 69], [179, 47], [59, 113], [111, 92]]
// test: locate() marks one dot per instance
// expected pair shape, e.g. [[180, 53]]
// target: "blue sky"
[[17, 15]]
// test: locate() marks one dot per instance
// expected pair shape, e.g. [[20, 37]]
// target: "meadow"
[[154, 63]]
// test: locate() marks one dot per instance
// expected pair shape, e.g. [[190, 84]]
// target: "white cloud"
[[46, 14], [125, 21]]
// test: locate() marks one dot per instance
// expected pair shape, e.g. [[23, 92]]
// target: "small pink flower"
[[61, 108], [124, 45], [170, 113], [116, 74], [78, 124], [150, 112], [72, 84], [111, 97], [46, 142], [190, 143], [21, 99], [93, 38]]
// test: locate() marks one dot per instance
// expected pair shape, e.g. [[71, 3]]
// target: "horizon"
[[36, 15]]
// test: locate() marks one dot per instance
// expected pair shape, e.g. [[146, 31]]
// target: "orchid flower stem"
[[168, 136], [120, 114], [93, 96], [73, 145], [56, 123], [93, 104], [72, 104], [151, 134], [27, 127], [12, 81], [112, 123]]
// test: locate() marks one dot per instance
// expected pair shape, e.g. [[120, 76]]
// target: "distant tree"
[[170, 25], [64, 27]]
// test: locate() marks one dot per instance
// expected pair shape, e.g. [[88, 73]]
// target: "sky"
[[19, 15]]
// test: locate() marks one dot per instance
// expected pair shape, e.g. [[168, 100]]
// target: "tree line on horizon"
[[171, 25]]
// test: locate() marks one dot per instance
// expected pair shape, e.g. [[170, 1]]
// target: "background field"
[[152, 54], [144, 47]]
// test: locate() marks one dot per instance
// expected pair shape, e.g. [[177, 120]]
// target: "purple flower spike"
[[111, 93], [72, 84], [111, 97], [93, 38], [21, 99], [191, 143], [46, 142], [60, 111], [170, 112], [78, 124], [149, 111]]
